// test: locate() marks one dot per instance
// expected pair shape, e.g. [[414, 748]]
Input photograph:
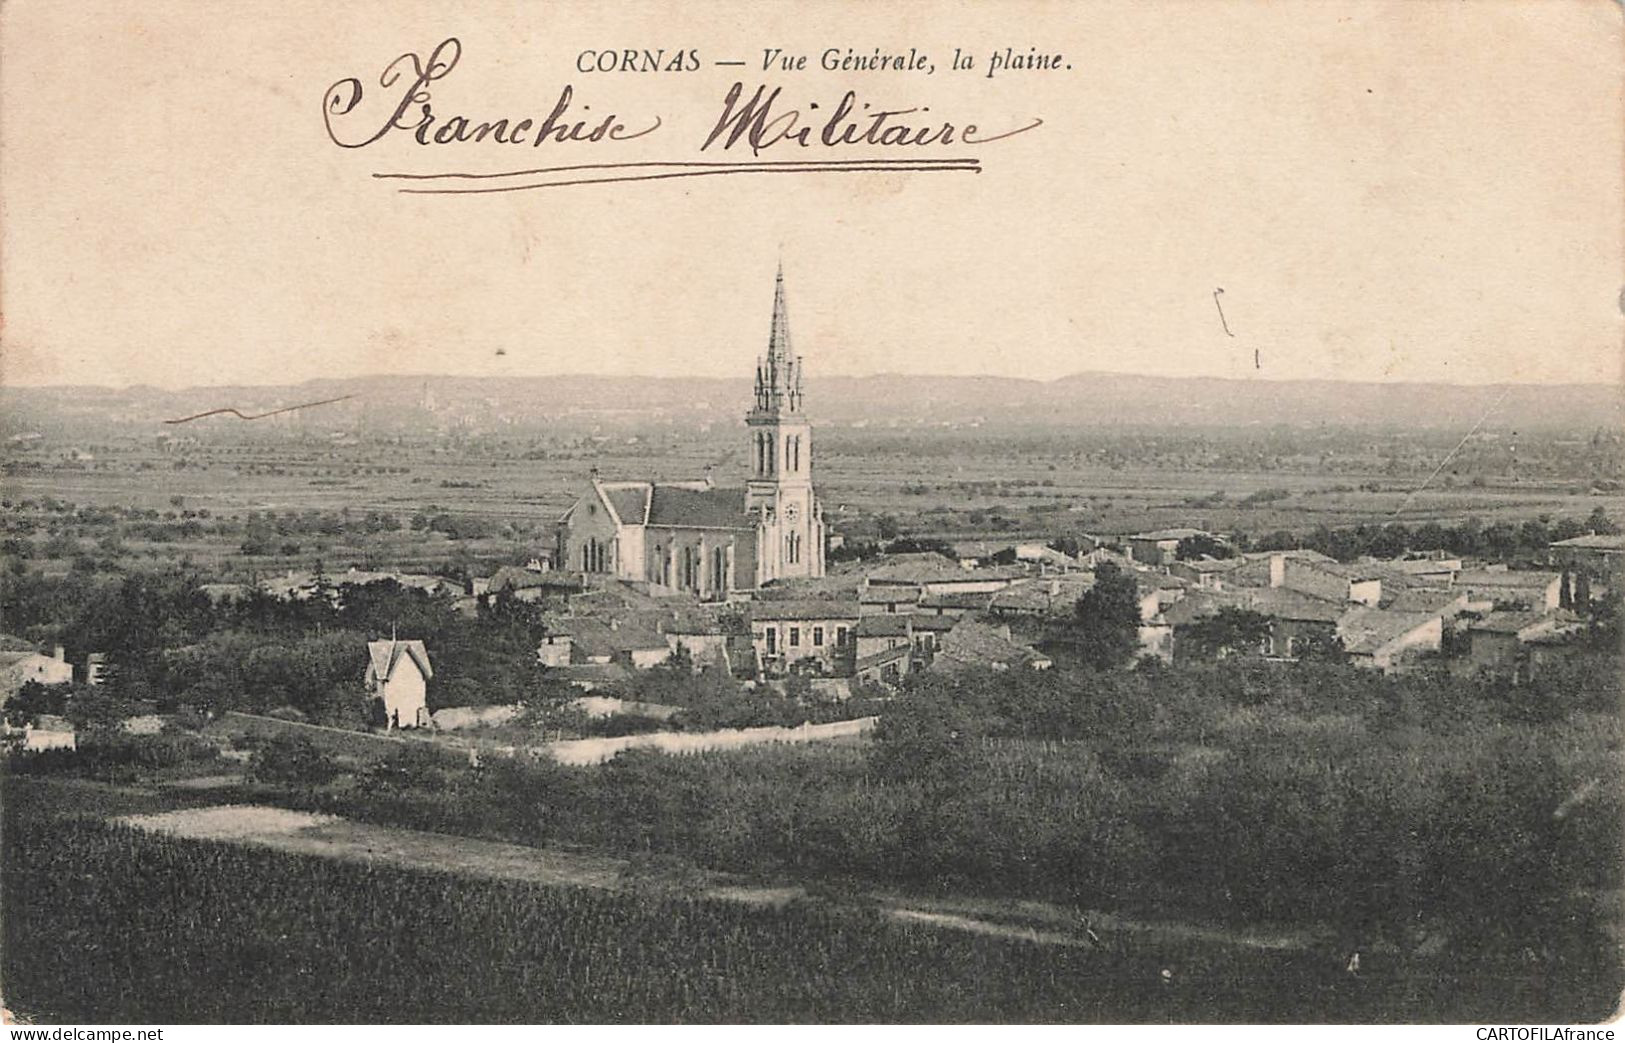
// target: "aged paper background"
[[1417, 191]]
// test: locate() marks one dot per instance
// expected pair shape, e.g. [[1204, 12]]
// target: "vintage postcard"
[[808, 513]]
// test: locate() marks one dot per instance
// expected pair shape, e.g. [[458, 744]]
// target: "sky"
[[1420, 191]]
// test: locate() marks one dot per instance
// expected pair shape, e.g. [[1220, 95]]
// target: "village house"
[[1600, 556], [954, 604], [1436, 569], [971, 645], [1207, 573], [398, 675], [1037, 555], [1384, 640], [1380, 638], [887, 599], [1519, 644], [590, 640], [1508, 588], [932, 573], [1048, 597], [886, 667], [1316, 576], [811, 636], [876, 634], [531, 585], [706, 641], [1160, 547], [19, 666], [711, 542]]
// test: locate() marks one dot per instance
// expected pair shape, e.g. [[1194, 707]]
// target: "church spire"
[[778, 373], [778, 341]]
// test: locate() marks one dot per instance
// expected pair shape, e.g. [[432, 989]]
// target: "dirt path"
[[331, 837]]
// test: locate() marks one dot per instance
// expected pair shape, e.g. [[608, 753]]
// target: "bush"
[[119, 757], [291, 761]]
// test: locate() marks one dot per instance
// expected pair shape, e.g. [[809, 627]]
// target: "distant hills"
[[884, 400]]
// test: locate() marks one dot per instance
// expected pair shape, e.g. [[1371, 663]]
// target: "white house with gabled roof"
[[398, 674]]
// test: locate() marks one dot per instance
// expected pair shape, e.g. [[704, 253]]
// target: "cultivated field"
[[450, 504]]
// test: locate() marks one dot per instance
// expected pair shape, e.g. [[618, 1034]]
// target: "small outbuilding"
[[398, 674]]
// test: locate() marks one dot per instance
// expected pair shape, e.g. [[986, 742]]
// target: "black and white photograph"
[[907, 513]]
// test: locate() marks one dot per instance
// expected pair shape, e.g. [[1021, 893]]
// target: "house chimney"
[[1277, 569], [59, 653]]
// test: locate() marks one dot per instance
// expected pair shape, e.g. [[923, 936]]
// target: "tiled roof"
[[1422, 599], [594, 636], [1507, 622], [956, 600], [1300, 554], [898, 595], [630, 500], [1508, 578], [1518, 622], [915, 568], [883, 626], [513, 577], [699, 508], [806, 609], [387, 655], [695, 622], [1283, 603], [1366, 630], [1150, 582], [636, 639], [977, 644], [1199, 603], [1213, 564]]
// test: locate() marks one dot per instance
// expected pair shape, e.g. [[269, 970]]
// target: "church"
[[711, 541]]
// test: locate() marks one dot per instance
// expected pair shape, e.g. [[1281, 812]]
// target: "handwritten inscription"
[[758, 122]]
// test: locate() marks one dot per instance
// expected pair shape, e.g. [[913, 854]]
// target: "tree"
[[1565, 592], [34, 699], [925, 731], [1108, 619], [1227, 631], [1203, 546]]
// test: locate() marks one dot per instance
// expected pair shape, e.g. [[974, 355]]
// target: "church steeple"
[[790, 532], [778, 373]]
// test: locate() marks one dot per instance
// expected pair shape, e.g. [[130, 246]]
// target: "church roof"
[[629, 499], [678, 507]]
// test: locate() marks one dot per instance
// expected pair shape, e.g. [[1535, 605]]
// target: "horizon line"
[[1619, 385]]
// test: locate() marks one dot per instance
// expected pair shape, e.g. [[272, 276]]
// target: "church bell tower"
[[779, 491]]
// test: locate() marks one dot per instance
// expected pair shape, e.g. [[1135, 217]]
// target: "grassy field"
[[111, 923]]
